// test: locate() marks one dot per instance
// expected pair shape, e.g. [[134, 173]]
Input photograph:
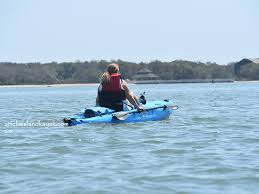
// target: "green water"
[[209, 145]]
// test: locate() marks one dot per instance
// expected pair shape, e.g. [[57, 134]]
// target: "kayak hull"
[[156, 110]]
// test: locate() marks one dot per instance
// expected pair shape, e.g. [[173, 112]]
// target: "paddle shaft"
[[124, 113]]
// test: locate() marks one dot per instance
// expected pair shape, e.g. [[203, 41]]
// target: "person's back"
[[113, 91], [110, 92]]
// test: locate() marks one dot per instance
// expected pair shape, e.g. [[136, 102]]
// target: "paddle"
[[123, 115]]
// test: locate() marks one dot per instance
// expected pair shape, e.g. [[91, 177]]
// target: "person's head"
[[105, 78], [113, 68]]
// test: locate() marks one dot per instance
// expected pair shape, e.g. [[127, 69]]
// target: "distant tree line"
[[89, 72], [249, 72]]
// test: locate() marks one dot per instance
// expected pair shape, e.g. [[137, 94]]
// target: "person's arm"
[[130, 97], [97, 98]]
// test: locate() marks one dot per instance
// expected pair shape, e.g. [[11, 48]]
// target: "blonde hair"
[[113, 68], [105, 78]]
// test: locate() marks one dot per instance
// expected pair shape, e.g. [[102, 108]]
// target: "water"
[[209, 145]]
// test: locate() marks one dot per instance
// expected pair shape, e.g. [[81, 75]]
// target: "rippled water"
[[209, 145]]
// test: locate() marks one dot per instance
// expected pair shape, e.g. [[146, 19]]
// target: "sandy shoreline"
[[50, 85], [78, 85], [255, 81]]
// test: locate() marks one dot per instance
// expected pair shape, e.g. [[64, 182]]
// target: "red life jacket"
[[115, 83], [112, 95]]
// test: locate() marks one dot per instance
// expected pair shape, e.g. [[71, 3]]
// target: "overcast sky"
[[135, 30]]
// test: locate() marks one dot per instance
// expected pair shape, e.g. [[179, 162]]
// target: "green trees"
[[249, 72], [89, 72]]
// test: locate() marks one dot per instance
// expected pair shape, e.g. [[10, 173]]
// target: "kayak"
[[153, 111]]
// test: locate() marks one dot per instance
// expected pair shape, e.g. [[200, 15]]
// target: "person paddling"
[[113, 91]]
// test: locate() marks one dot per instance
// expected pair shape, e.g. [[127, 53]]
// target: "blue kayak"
[[153, 111]]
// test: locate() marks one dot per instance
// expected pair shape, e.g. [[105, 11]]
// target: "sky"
[[220, 31]]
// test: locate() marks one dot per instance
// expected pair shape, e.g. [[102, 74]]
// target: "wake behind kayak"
[[154, 110]]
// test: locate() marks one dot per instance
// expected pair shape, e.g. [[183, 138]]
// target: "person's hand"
[[140, 108]]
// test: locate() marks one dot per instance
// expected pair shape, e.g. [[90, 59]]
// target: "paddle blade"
[[175, 107], [120, 116]]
